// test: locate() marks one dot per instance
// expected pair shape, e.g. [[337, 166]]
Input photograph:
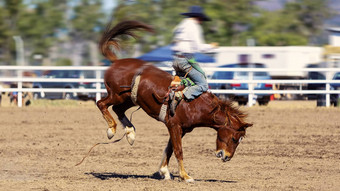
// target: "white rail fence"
[[19, 79]]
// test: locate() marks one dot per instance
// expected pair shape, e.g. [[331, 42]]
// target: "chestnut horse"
[[131, 82]]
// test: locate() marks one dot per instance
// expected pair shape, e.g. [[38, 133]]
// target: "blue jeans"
[[182, 66]]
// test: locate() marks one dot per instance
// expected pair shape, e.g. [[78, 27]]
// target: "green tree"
[[88, 20], [147, 11], [9, 17], [231, 19], [296, 24], [86, 25], [38, 25], [233, 22], [36, 22], [310, 14], [276, 29], [3, 27]]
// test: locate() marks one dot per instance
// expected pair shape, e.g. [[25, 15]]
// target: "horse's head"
[[227, 141], [231, 129]]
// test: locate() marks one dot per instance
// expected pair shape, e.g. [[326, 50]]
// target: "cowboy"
[[188, 39]]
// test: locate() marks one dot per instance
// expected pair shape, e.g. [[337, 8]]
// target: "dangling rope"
[[104, 143], [131, 117]]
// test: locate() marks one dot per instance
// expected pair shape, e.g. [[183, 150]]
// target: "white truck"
[[287, 57]]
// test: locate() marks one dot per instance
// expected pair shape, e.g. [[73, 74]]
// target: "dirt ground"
[[292, 146]]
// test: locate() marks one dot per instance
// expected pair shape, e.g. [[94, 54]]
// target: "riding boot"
[[178, 96]]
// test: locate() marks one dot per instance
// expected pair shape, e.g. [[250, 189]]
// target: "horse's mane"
[[109, 37], [226, 106]]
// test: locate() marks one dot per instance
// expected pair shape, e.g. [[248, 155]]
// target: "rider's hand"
[[214, 44]]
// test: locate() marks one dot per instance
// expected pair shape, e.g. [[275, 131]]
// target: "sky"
[[109, 4]]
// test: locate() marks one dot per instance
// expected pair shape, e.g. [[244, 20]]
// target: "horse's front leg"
[[163, 168], [176, 140]]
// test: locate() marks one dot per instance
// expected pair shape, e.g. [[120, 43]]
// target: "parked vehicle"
[[72, 85], [275, 57], [90, 96], [336, 76], [335, 86], [242, 99], [321, 98], [315, 86]]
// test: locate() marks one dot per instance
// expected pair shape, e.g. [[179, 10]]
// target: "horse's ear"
[[247, 125], [244, 126]]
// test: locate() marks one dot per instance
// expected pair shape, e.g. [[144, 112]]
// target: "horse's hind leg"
[[103, 104], [128, 126]]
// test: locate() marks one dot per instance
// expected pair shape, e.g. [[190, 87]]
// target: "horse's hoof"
[[131, 138], [190, 180], [167, 177], [110, 133], [187, 178], [130, 135], [164, 172]]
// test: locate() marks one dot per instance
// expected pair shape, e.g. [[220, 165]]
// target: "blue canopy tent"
[[165, 54]]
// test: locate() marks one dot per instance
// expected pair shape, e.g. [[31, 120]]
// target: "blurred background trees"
[[67, 31]]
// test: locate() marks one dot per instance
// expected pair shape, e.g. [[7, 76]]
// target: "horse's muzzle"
[[221, 154], [226, 158]]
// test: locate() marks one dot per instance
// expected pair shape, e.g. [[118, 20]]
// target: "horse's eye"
[[234, 140], [241, 138]]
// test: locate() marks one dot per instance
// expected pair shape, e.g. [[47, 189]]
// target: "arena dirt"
[[292, 146]]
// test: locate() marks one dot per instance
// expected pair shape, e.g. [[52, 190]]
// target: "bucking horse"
[[133, 82]]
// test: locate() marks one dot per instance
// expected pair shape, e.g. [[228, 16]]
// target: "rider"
[[188, 39]]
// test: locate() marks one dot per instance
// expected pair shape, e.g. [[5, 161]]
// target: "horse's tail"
[[109, 37]]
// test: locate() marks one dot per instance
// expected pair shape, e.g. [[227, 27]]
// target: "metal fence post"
[[19, 45], [20, 92], [250, 88], [98, 87], [328, 87]]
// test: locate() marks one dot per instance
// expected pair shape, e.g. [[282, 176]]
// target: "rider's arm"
[[198, 39]]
